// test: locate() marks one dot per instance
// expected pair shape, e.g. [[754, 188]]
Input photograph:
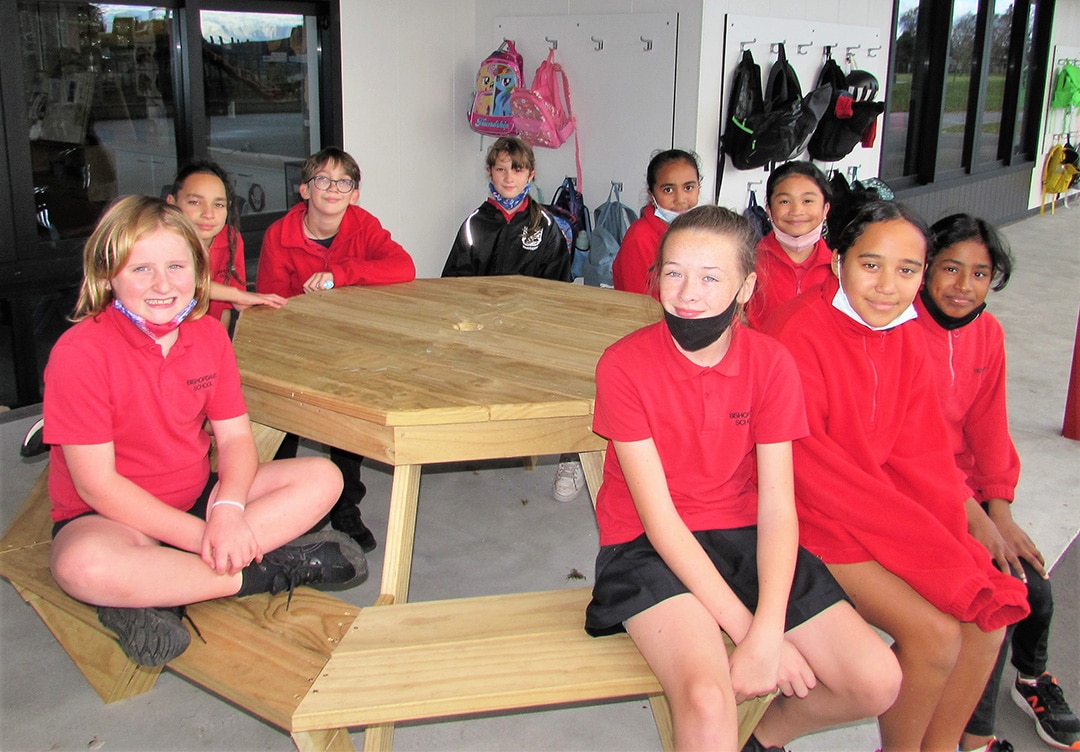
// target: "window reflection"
[[902, 105], [958, 70], [260, 80], [100, 105], [1000, 30]]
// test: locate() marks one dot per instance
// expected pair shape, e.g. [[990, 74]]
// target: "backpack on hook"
[[542, 113], [498, 77], [612, 219], [845, 122], [787, 123]]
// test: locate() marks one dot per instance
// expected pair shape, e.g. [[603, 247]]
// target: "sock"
[[257, 578], [1032, 680]]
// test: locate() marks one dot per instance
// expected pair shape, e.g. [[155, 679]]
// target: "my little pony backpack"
[[499, 74]]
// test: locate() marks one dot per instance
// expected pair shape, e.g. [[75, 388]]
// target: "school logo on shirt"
[[740, 419], [202, 382], [530, 242]]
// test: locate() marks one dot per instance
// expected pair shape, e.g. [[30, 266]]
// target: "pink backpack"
[[539, 115], [499, 75]]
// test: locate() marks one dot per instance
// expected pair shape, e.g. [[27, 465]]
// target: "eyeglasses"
[[323, 183]]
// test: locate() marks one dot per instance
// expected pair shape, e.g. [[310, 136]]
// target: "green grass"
[[956, 92]]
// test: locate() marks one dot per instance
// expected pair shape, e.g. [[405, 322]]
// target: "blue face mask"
[[667, 215]]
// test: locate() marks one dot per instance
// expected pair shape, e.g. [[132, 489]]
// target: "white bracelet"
[[236, 504]]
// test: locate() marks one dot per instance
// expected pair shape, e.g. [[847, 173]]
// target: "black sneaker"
[[753, 745], [328, 560], [1044, 701], [33, 444], [347, 520], [148, 636]]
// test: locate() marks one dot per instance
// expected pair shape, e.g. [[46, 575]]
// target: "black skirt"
[[631, 577]]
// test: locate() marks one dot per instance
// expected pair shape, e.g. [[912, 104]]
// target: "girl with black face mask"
[[967, 259], [697, 520]]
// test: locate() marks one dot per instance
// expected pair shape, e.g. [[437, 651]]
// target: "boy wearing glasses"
[[327, 241]]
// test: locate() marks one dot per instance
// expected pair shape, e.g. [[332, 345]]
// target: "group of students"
[[812, 440]]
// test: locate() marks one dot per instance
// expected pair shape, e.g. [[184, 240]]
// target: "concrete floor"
[[493, 528]]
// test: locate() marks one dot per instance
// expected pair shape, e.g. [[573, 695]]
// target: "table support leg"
[[593, 465], [324, 740], [400, 531]]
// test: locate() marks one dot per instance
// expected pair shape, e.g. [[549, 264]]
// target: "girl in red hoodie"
[[879, 496], [793, 257], [674, 180], [967, 353]]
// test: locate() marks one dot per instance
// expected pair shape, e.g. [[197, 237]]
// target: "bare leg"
[[978, 651], [685, 649], [858, 677], [927, 644], [108, 563]]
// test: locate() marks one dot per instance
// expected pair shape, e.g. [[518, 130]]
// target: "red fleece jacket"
[[630, 269], [876, 478], [779, 279], [362, 253], [969, 371]]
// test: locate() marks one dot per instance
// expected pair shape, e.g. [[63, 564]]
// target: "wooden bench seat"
[[324, 666]]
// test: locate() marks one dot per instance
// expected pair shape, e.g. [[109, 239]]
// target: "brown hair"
[[718, 221], [331, 154], [522, 157]]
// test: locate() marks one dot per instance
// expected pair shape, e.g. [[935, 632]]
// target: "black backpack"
[[745, 105], [788, 121], [844, 122]]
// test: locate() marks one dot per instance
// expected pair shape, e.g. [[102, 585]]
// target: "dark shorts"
[[631, 577], [198, 508]]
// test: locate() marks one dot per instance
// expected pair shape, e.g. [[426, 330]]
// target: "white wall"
[[1065, 43], [408, 73]]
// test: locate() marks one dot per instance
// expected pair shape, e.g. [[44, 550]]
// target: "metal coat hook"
[[829, 49], [800, 49], [775, 46], [742, 45], [552, 43], [648, 46], [598, 42], [872, 51], [616, 185], [751, 183]]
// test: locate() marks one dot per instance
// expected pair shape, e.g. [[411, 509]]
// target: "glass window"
[[1000, 32], [902, 105], [261, 85], [1027, 66], [958, 82], [100, 108]]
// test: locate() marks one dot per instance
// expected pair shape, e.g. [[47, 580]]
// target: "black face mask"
[[697, 334], [944, 320]]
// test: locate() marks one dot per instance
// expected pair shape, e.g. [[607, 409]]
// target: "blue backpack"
[[613, 219]]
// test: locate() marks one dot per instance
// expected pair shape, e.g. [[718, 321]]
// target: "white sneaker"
[[569, 480]]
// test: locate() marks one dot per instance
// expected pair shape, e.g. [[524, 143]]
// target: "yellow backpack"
[[1057, 176]]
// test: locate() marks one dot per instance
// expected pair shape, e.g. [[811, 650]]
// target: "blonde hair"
[[124, 223]]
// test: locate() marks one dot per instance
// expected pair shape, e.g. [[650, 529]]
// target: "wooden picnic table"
[[436, 370]]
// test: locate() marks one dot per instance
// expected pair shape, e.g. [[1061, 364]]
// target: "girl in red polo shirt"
[[674, 181], [793, 256], [141, 526], [879, 496], [204, 192], [697, 520]]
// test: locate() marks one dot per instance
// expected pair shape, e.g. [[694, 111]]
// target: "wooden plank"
[[32, 523], [94, 651], [260, 655], [386, 353]]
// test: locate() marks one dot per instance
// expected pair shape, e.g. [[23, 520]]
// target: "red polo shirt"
[[705, 423], [106, 381]]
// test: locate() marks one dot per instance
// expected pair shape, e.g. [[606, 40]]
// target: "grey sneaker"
[[148, 636], [327, 560]]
